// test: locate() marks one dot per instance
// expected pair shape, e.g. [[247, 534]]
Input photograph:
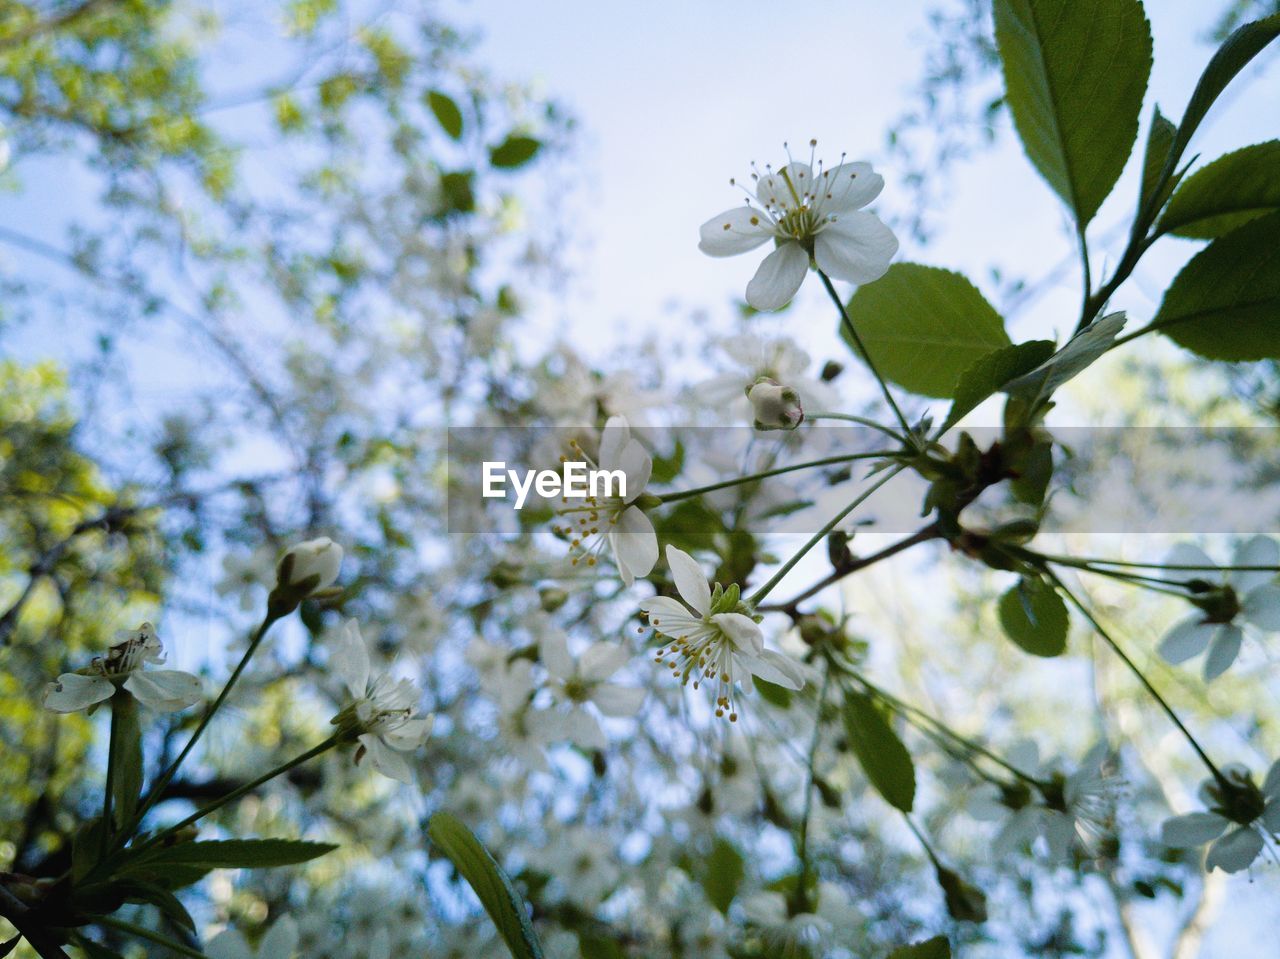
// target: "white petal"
[[690, 580], [1257, 551], [777, 669], [165, 690], [665, 611], [618, 701], [281, 940], [1235, 851], [857, 247], [634, 544], [733, 232], [1193, 829], [1188, 638], [553, 648], [1059, 834], [613, 438], [742, 631], [778, 277], [1185, 554], [637, 464], [1223, 652], [386, 760], [1271, 784], [228, 944], [781, 189], [410, 734], [350, 659], [380, 945], [72, 692], [602, 660], [582, 729], [848, 187], [1261, 607], [1271, 816]]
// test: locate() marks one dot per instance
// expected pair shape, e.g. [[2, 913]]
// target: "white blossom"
[[312, 565], [279, 942], [1247, 602], [776, 407], [1238, 819], [712, 639], [577, 682], [814, 216], [164, 690], [383, 708]]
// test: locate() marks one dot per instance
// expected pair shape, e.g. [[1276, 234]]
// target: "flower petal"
[[742, 631], [734, 231], [670, 617], [615, 435], [785, 188], [1271, 816], [1256, 551], [848, 187], [410, 734], [386, 760], [350, 659], [778, 277], [634, 544], [1271, 784], [601, 661], [1261, 607], [618, 701], [228, 944], [72, 692], [691, 581], [1193, 829], [1186, 554], [777, 669], [1235, 851], [165, 690], [637, 464], [856, 247], [1188, 638], [281, 940], [1223, 652], [553, 648]]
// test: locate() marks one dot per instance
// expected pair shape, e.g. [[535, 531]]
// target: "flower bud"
[[776, 407], [306, 569]]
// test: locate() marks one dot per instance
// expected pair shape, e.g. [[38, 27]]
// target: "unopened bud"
[[306, 569], [776, 407]]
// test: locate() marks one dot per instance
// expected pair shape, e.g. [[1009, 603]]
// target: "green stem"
[[1083, 562], [158, 787], [108, 790], [860, 420], [1133, 668], [817, 537], [803, 852], [142, 932], [857, 342], [235, 794], [737, 481]]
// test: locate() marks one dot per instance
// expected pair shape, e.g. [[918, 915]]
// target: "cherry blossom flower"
[[617, 522], [1247, 602], [383, 709], [1238, 819], [585, 680], [776, 407], [309, 567], [713, 637], [164, 690], [815, 217]]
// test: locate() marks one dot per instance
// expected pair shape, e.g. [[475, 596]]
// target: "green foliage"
[[1035, 617], [446, 113], [724, 870], [1029, 392], [1224, 303], [936, 948], [1075, 74], [126, 746], [514, 151], [488, 881], [226, 854], [990, 374], [1160, 137], [924, 326], [1230, 191], [880, 752]]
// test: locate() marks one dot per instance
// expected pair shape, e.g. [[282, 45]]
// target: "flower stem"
[[858, 344], [109, 787], [860, 420], [1133, 668], [802, 853], [817, 537], [737, 481]]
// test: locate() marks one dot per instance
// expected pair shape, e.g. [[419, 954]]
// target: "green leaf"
[[1035, 617], [1229, 192], [162, 899], [457, 191], [592, 946], [772, 693], [1232, 57], [229, 854], [724, 872], [881, 753], [987, 376], [446, 112], [935, 948], [489, 882], [126, 776], [924, 326], [514, 151], [1159, 140], [1077, 354], [1075, 73], [1225, 303], [96, 950]]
